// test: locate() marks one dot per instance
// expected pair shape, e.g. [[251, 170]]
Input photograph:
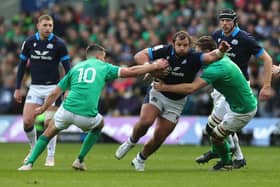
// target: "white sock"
[[32, 137], [231, 142], [238, 153], [51, 147], [138, 157], [129, 141]]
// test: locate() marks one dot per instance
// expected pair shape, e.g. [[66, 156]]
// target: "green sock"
[[38, 149], [224, 151], [214, 149], [89, 141]]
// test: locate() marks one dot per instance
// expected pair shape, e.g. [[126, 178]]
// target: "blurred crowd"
[[125, 31]]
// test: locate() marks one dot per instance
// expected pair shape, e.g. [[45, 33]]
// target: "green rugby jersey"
[[85, 82], [225, 76]]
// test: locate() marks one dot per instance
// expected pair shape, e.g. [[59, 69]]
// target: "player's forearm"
[[52, 97], [178, 88], [212, 56], [137, 70], [20, 74], [267, 61]]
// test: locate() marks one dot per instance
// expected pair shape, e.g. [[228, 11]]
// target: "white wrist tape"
[[219, 53]]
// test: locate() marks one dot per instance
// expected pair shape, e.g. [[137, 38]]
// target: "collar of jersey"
[[49, 38], [235, 31]]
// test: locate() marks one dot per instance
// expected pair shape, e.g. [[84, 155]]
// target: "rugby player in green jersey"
[[225, 76], [85, 82]]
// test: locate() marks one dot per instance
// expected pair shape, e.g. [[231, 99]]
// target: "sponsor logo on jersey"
[[40, 55]]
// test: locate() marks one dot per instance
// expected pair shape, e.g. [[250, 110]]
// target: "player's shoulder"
[[58, 40], [244, 35], [31, 38], [217, 33]]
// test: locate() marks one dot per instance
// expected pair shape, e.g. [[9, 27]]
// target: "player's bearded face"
[[181, 47], [227, 25], [45, 28]]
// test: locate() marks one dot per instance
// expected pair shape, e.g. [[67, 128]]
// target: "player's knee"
[[219, 134], [28, 122], [146, 121], [212, 123]]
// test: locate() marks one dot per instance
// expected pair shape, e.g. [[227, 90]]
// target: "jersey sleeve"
[[112, 72], [64, 83], [198, 57], [254, 47], [158, 51], [63, 53], [24, 54], [211, 73]]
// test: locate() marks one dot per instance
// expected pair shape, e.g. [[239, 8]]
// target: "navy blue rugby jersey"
[[181, 69], [44, 57], [243, 45]]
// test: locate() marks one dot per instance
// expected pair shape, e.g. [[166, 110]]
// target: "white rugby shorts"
[[64, 118], [170, 109]]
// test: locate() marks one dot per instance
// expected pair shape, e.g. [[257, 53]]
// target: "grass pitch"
[[172, 166]]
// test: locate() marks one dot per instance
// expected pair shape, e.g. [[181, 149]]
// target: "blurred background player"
[[85, 80], [226, 77], [243, 46], [43, 52], [165, 107]]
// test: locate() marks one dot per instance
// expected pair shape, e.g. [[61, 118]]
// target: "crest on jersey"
[[168, 57], [234, 42], [34, 44], [219, 39], [49, 46]]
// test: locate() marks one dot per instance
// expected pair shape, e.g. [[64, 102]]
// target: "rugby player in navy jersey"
[[44, 51], [243, 46], [166, 107]]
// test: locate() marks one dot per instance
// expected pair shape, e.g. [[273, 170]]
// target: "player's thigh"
[[163, 127], [29, 113], [148, 113], [87, 123], [63, 118], [220, 107], [233, 122]]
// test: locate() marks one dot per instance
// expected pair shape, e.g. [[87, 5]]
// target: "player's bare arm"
[[184, 88], [216, 54], [133, 71], [142, 57], [266, 91]]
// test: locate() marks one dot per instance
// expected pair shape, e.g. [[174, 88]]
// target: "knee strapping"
[[220, 132], [212, 123]]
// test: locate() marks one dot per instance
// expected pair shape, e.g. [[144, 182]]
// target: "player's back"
[[86, 81], [226, 77]]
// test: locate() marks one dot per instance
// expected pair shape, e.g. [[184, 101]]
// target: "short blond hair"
[[45, 17]]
